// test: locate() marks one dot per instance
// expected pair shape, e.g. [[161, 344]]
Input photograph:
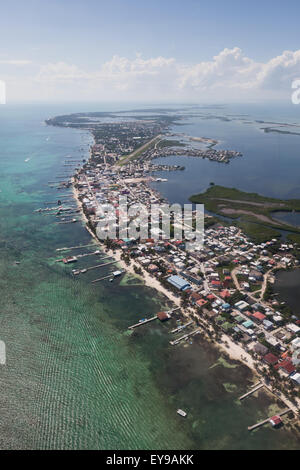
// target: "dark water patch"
[[288, 286], [292, 218]]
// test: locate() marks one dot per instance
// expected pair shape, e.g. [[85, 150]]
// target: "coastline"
[[226, 345]]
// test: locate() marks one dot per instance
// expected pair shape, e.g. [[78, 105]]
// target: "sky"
[[140, 50]]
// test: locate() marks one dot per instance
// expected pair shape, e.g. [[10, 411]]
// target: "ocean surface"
[[270, 164], [75, 378]]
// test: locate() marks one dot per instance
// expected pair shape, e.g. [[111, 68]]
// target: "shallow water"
[[75, 377]]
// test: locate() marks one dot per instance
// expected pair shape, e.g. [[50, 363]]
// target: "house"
[[273, 341], [295, 343], [287, 366], [152, 268], [275, 421], [260, 349], [226, 307], [270, 359], [259, 316], [225, 294], [295, 377], [241, 305], [293, 328], [194, 297], [163, 316], [268, 325], [248, 324]]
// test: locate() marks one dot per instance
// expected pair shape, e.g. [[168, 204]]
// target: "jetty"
[[184, 337], [74, 247], [181, 327], [95, 267], [262, 423], [72, 221], [253, 390], [142, 322]]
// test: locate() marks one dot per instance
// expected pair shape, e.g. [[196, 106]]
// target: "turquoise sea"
[[75, 378]]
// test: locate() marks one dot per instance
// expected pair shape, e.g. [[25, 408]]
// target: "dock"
[[262, 423], [253, 390], [143, 322], [181, 327], [95, 267], [184, 337], [74, 247], [101, 266]]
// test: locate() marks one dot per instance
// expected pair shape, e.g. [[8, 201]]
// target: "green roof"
[[248, 324], [239, 319]]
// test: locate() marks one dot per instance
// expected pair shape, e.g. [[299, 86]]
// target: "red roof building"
[[211, 297], [195, 296], [201, 302], [259, 316], [275, 421], [287, 366], [225, 294], [271, 359], [163, 316]]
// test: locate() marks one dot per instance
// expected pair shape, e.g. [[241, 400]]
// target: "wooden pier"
[[262, 423], [184, 337], [253, 390], [143, 322], [102, 266], [182, 327], [74, 247]]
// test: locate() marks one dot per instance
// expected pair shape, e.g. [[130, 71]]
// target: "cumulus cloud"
[[230, 74]]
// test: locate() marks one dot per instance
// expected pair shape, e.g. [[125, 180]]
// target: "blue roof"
[[226, 306], [248, 324], [178, 282]]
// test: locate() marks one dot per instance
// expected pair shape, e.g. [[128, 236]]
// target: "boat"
[[27, 160], [181, 413], [70, 259], [117, 273]]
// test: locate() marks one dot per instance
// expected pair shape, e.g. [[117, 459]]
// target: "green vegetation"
[[137, 153], [170, 143], [253, 211], [294, 238], [257, 232]]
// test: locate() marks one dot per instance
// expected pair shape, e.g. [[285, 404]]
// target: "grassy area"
[[170, 143], [253, 211], [258, 232], [294, 237], [137, 153]]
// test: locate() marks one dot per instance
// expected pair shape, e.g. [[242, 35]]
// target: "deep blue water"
[[270, 164]]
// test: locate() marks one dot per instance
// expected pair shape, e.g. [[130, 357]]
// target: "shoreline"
[[231, 349]]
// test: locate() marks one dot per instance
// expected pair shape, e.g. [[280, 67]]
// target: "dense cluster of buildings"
[[226, 281]]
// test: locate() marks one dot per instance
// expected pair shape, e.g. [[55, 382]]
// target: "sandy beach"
[[232, 350]]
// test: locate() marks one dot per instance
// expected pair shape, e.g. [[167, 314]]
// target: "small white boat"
[[27, 160], [182, 413]]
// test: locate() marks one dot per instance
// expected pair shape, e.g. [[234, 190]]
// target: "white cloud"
[[15, 62], [228, 75]]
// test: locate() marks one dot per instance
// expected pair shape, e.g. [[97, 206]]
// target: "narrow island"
[[223, 291]]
